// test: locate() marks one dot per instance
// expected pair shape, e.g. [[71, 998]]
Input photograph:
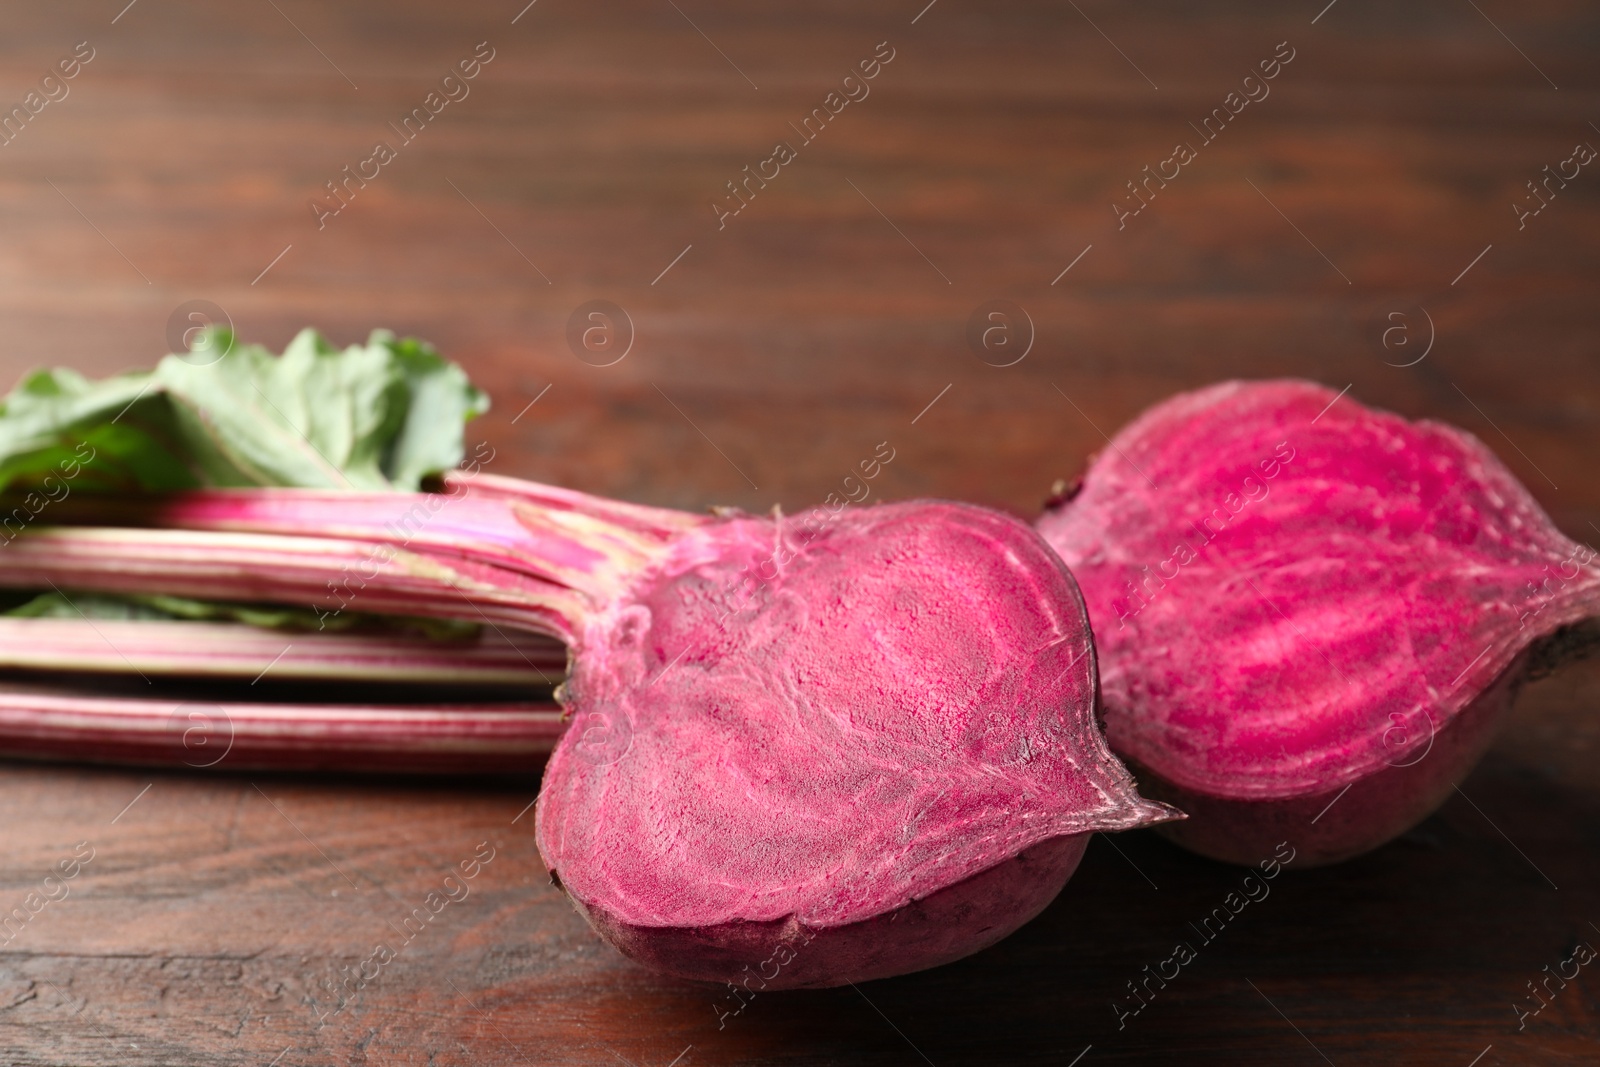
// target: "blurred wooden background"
[[1376, 180]]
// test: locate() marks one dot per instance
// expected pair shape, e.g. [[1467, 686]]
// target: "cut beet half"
[[1310, 615], [816, 751]]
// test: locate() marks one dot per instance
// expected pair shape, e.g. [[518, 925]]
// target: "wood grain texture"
[[767, 361]]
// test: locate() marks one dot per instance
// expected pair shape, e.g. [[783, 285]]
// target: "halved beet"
[[802, 752], [1310, 615], [888, 760]]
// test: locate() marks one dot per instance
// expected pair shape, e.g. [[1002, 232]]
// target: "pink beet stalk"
[[1311, 616], [332, 575], [55, 721], [829, 750], [459, 738], [155, 648]]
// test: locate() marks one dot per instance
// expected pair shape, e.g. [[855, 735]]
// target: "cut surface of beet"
[[1293, 594], [906, 707]]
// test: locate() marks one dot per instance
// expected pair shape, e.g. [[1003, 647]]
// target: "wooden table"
[[1375, 181]]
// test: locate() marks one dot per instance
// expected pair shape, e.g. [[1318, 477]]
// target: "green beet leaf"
[[383, 415]]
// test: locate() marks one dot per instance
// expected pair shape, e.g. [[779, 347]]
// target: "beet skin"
[[1310, 615]]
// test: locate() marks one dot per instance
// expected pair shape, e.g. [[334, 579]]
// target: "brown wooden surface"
[[807, 331]]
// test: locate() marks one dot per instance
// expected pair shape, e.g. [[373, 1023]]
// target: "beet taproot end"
[[885, 760], [1310, 615]]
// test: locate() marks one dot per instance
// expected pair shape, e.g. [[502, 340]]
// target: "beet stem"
[[328, 574], [235, 736], [236, 650]]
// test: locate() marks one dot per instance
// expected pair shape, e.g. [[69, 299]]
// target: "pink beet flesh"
[[888, 759], [1291, 598]]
